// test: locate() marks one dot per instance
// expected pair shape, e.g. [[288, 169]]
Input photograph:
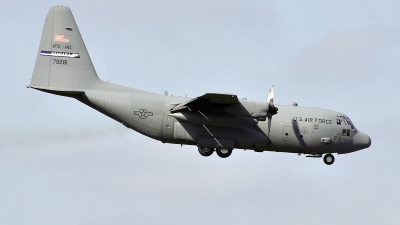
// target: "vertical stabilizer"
[[62, 60]]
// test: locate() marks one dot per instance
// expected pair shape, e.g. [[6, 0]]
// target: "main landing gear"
[[223, 153], [206, 151], [329, 159]]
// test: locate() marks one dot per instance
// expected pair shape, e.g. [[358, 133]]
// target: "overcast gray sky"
[[64, 163]]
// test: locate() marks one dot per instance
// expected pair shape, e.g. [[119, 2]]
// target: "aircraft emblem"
[[143, 113]]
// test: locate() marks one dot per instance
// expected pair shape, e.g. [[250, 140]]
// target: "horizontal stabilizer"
[[58, 91]]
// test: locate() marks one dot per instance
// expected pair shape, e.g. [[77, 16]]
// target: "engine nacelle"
[[250, 109]]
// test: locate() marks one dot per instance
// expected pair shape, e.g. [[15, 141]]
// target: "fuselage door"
[[286, 133]]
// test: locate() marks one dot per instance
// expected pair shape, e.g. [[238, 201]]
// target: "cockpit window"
[[341, 120], [351, 125], [344, 120], [346, 132]]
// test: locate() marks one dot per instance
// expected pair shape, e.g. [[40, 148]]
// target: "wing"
[[210, 109], [207, 101]]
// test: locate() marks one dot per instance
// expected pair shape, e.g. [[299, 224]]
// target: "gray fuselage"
[[217, 122], [294, 129]]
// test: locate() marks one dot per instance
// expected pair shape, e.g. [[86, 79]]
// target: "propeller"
[[272, 110]]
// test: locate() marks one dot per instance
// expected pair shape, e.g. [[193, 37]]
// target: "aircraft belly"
[[133, 110], [218, 137], [148, 126], [250, 138]]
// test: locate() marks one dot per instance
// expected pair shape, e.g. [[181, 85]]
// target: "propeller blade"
[[269, 125], [272, 110], [271, 95]]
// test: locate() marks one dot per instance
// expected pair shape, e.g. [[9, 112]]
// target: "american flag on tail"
[[61, 38]]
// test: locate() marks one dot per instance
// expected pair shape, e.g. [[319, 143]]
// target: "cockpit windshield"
[[351, 124], [346, 121]]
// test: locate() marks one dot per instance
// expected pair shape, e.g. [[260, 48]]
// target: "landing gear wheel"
[[206, 151], [223, 152], [329, 159]]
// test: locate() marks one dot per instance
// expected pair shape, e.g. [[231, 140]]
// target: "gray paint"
[[216, 120]]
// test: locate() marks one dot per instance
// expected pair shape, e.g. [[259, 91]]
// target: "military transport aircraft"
[[217, 122]]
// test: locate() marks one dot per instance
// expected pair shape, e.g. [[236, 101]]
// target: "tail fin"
[[62, 61]]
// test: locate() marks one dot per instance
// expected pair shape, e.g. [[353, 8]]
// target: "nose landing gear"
[[329, 159]]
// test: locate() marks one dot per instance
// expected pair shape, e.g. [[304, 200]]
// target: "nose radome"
[[361, 141]]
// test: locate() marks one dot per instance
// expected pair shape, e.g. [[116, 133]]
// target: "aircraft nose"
[[361, 141]]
